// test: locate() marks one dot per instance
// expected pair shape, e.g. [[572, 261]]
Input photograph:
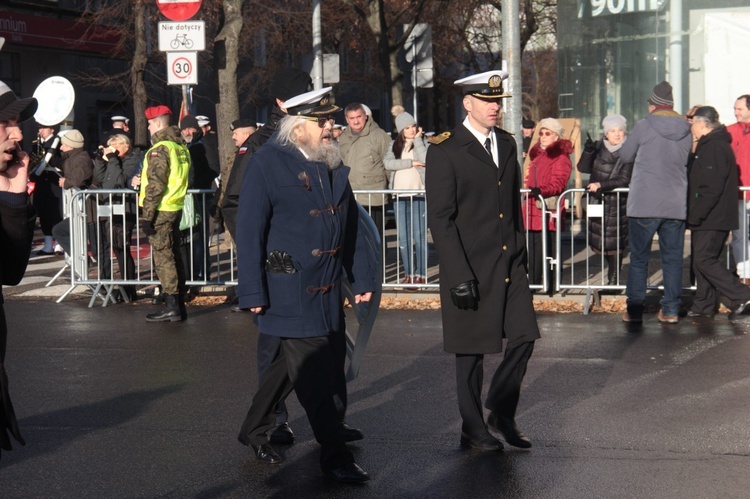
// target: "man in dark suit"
[[474, 214], [297, 227]]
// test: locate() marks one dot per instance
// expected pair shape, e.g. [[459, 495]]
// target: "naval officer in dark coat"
[[474, 214], [297, 227]]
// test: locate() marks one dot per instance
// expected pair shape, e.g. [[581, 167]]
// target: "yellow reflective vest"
[[179, 165]]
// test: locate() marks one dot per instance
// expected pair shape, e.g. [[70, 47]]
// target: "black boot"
[[170, 312]]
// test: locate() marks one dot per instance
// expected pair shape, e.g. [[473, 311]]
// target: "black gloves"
[[280, 262], [214, 210], [147, 226], [466, 295], [535, 192], [589, 146]]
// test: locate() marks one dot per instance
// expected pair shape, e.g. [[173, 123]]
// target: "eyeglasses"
[[546, 133], [322, 121]]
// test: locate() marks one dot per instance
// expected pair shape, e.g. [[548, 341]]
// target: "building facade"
[[612, 52]]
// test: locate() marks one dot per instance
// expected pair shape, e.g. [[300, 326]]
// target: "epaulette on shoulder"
[[438, 139]]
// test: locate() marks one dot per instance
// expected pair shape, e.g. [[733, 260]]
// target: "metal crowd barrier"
[[572, 266], [103, 220]]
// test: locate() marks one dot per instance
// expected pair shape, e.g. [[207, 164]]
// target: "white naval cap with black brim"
[[124, 119], [10, 105], [315, 103], [487, 85]]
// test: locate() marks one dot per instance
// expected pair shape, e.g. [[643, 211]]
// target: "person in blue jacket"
[[297, 227]]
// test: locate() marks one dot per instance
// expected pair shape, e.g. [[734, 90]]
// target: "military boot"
[[170, 312]]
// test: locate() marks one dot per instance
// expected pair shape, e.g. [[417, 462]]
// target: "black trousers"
[[711, 273], [306, 366], [504, 392], [268, 349]]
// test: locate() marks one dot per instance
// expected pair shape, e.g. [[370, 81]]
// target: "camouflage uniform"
[[165, 244]]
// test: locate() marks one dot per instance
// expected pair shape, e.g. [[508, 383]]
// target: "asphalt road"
[[112, 406]]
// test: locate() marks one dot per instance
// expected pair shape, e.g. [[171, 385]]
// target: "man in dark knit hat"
[[659, 145]]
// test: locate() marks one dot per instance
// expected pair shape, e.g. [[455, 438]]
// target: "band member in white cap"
[[474, 213], [16, 230], [297, 227], [120, 125]]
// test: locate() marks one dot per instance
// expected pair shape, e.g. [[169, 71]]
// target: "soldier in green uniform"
[[164, 182]]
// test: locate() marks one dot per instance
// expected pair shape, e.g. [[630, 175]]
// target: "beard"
[[325, 152]]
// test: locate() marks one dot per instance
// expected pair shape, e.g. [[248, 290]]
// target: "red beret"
[[155, 111]]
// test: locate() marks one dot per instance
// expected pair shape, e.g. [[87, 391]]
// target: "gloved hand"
[[589, 146], [535, 192], [147, 226], [214, 210], [280, 262], [466, 295]]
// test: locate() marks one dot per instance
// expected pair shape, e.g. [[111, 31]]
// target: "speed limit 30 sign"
[[182, 68]]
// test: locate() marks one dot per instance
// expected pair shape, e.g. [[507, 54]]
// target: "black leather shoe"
[[507, 428], [282, 435], [742, 311], [170, 313], [485, 443], [265, 453], [236, 308], [349, 473], [691, 313], [350, 434]]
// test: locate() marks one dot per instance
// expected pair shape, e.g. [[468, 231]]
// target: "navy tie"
[[488, 146]]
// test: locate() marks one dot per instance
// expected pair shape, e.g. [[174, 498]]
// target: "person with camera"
[[113, 165], [17, 217]]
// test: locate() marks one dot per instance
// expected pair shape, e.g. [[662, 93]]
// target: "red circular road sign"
[[178, 10], [182, 68]]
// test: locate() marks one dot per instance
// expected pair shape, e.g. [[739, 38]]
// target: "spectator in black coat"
[[712, 214], [608, 234]]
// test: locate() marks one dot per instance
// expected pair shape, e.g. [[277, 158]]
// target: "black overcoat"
[[16, 235], [474, 215], [712, 184], [606, 168]]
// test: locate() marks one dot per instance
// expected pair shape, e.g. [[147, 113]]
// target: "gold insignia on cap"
[[495, 81], [324, 101], [437, 139]]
